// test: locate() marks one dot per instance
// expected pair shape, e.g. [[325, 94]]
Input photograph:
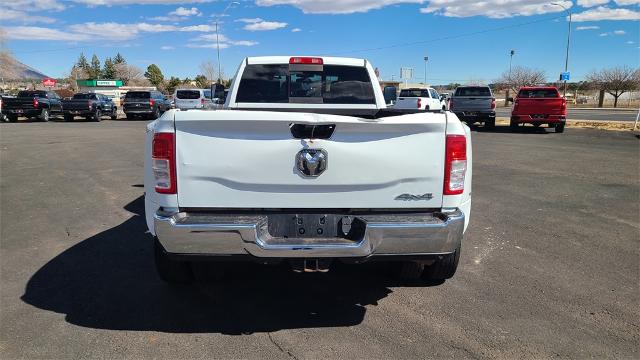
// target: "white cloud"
[[631, 42], [605, 13], [296, 30], [167, 47], [33, 5], [181, 11], [627, 2], [336, 7], [579, 28], [250, 21], [41, 33], [493, 8], [590, 3], [136, 2], [209, 41], [619, 32], [21, 16], [97, 31], [265, 26]]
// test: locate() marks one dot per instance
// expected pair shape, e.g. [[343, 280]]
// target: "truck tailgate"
[[407, 103], [247, 159], [464, 103], [540, 106]]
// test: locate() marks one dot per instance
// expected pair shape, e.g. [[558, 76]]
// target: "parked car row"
[[477, 104]]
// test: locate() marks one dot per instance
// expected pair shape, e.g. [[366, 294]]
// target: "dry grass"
[[588, 124]]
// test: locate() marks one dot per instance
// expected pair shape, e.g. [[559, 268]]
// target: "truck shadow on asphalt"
[[506, 130], [108, 281]]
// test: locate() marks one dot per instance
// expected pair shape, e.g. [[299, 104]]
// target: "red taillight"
[[450, 104], [515, 104], [419, 103], [202, 101], [164, 163], [306, 60], [455, 166], [493, 103], [35, 103], [151, 102]]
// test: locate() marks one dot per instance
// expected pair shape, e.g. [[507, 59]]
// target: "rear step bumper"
[[384, 235]]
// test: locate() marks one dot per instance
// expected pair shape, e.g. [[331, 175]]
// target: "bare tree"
[[616, 81], [129, 74], [521, 76], [208, 69]]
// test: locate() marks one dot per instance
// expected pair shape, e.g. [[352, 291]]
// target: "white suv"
[[192, 99]]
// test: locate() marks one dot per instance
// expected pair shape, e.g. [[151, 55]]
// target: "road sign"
[[564, 76], [406, 73], [49, 82]]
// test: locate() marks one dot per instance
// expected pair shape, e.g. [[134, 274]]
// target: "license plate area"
[[538, 116], [470, 113], [314, 226]]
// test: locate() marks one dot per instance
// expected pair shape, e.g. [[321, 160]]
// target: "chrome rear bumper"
[[384, 235]]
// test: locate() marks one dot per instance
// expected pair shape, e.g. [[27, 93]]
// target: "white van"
[[192, 99]]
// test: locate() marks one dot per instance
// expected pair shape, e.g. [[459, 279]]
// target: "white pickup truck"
[[306, 164], [424, 99]]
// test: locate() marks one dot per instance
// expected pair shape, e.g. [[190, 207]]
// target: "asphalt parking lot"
[[549, 265]]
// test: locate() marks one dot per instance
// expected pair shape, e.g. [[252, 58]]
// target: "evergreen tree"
[[119, 59], [95, 69], [109, 69], [82, 62], [154, 75], [202, 82], [172, 84]]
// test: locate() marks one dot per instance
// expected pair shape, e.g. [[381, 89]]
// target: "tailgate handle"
[[307, 131]]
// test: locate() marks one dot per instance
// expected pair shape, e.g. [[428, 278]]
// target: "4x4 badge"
[[411, 197]]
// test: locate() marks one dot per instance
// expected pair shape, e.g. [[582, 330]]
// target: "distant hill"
[[25, 72]]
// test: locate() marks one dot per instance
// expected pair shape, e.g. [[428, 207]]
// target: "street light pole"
[[566, 60], [426, 59], [506, 98], [218, 38]]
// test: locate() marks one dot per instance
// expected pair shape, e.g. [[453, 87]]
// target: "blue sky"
[[465, 40]]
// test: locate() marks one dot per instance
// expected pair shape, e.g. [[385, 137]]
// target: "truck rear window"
[[138, 95], [84, 96], [539, 93], [473, 91], [188, 94], [414, 93], [29, 94], [330, 84]]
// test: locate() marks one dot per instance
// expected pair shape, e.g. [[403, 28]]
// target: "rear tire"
[[97, 116], [114, 114], [490, 124], [410, 270], [129, 117], [560, 127], [44, 115], [513, 124], [169, 270], [443, 268], [68, 117], [12, 118], [156, 114]]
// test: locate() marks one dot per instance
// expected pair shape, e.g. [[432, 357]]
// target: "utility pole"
[[218, 38], [506, 98], [426, 59], [566, 60]]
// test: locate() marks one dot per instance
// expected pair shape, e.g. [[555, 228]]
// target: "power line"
[[451, 37]]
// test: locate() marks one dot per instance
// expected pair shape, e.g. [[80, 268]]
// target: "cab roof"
[[327, 60]]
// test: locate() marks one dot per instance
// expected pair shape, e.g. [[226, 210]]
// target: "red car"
[[539, 105]]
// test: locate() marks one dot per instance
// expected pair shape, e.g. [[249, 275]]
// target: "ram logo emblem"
[[311, 162]]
